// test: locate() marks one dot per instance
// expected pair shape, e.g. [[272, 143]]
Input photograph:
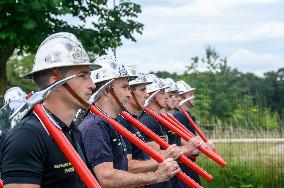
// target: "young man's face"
[[162, 98], [172, 102], [81, 84], [140, 93], [121, 89]]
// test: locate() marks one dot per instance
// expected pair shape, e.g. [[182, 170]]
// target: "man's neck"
[[132, 109], [155, 107], [106, 107], [60, 109]]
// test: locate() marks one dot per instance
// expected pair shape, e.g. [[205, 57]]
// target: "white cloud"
[[220, 21], [248, 61]]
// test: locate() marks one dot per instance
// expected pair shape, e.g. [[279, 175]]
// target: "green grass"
[[257, 165]]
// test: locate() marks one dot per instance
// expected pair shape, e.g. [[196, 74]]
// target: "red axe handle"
[[139, 143], [67, 149], [165, 145], [196, 128], [208, 153], [192, 123], [180, 125]]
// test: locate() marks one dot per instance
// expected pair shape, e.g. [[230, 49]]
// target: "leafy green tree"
[[25, 24], [16, 68], [227, 97]]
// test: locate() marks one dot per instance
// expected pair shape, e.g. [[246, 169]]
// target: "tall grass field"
[[249, 164]]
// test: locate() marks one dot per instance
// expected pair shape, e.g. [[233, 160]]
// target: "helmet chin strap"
[[190, 104], [160, 106], [136, 100], [169, 108], [59, 76], [116, 99]]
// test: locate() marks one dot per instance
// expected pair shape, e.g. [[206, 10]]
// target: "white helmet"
[[60, 50], [172, 86], [13, 99], [141, 79], [156, 85], [183, 87], [14, 94], [110, 70]]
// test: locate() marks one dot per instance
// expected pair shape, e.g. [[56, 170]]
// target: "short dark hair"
[[133, 87], [41, 78], [99, 85]]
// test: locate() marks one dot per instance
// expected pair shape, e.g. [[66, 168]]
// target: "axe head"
[[37, 97], [185, 101], [13, 99], [147, 102], [96, 95], [5, 124]]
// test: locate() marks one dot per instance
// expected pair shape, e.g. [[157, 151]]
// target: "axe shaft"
[[181, 126], [132, 138], [165, 145], [184, 136], [67, 149], [175, 122], [195, 127], [192, 123], [140, 144]]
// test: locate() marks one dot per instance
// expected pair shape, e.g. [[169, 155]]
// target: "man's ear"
[[52, 79]]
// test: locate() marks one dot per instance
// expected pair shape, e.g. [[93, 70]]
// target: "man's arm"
[[109, 177], [189, 148], [173, 151], [140, 166], [21, 186]]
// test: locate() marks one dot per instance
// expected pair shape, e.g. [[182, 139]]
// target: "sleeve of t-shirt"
[[23, 157], [182, 118], [97, 144], [152, 126]]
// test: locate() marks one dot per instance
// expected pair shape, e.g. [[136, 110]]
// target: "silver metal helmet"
[[13, 99], [183, 87], [110, 70], [60, 50], [172, 87], [156, 85], [141, 79], [15, 95]]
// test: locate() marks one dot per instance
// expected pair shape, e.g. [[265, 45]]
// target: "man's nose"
[[91, 84], [128, 93]]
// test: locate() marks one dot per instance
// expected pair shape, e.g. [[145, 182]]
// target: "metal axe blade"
[[185, 100], [96, 95], [147, 102], [36, 98]]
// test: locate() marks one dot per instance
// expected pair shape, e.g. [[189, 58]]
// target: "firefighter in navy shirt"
[[186, 92], [30, 157], [105, 148], [159, 102]]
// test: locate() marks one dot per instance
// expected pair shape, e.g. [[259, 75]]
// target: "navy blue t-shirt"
[[137, 153], [159, 129], [103, 143], [173, 138], [155, 126], [31, 156], [182, 118]]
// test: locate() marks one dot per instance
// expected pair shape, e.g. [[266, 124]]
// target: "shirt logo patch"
[[68, 168]]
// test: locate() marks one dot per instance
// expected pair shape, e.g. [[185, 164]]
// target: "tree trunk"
[[5, 54]]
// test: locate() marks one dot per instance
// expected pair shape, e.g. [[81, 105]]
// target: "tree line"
[[228, 97]]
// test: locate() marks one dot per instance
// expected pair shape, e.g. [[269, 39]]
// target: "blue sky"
[[249, 32]]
